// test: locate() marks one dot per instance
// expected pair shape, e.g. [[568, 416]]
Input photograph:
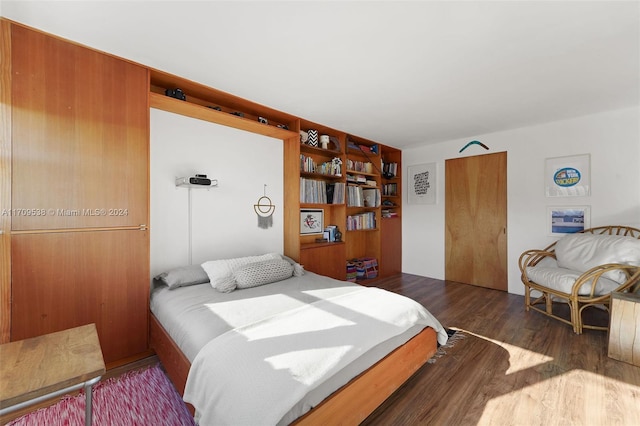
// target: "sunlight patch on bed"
[[233, 310], [307, 373], [323, 320]]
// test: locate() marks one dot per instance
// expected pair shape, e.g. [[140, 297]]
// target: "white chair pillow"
[[581, 252]]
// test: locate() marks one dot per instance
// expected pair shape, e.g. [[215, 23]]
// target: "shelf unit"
[[303, 163]]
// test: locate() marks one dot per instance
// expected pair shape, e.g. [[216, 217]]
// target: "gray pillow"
[[183, 276]]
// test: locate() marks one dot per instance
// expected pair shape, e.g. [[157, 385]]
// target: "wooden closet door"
[[80, 136], [63, 280], [476, 220], [80, 180]]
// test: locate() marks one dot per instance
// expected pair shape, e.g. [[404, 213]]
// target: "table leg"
[[88, 406]]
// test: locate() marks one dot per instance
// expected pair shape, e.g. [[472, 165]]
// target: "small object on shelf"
[[313, 137], [352, 273], [337, 235], [282, 126], [238, 113], [336, 142], [217, 108], [337, 162], [263, 120], [324, 141], [176, 93]]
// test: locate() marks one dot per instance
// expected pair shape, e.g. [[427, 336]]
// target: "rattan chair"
[[589, 289]]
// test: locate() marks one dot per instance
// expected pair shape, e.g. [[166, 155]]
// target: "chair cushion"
[[581, 252], [562, 279]]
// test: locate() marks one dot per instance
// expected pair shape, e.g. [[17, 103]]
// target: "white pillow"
[[221, 271], [581, 252], [298, 269], [265, 272]]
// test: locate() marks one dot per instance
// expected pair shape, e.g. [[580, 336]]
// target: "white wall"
[[611, 138], [224, 223]]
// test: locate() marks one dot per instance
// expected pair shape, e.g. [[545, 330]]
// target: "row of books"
[[390, 168], [330, 233], [358, 196], [360, 179], [361, 221], [388, 213], [307, 164], [390, 189], [320, 192], [359, 166]]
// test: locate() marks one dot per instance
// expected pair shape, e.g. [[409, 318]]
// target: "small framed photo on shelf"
[[311, 221], [567, 220]]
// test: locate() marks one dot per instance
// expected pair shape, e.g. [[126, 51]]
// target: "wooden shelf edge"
[[308, 246], [200, 112]]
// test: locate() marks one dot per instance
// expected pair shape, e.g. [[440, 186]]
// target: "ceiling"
[[402, 73]]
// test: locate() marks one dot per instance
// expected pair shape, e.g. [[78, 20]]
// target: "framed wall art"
[[563, 220], [568, 176], [421, 184], [311, 221]]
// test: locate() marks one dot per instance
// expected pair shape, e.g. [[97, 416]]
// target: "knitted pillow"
[[221, 271], [265, 272]]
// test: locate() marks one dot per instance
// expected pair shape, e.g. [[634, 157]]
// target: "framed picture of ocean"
[[568, 219]]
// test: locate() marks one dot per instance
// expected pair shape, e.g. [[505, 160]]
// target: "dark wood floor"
[[508, 366]]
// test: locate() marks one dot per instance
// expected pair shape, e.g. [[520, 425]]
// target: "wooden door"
[[66, 279], [476, 220], [79, 185]]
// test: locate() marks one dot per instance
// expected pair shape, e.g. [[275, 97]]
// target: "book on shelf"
[[360, 166], [390, 189], [308, 164], [366, 220], [331, 232], [389, 213], [355, 178], [335, 193], [315, 191], [355, 196], [390, 169]]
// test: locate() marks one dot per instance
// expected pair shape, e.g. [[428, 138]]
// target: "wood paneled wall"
[[79, 185], [5, 181]]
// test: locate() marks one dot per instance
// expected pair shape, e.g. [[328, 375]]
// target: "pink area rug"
[[144, 397]]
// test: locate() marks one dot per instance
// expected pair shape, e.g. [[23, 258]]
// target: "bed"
[[305, 349]]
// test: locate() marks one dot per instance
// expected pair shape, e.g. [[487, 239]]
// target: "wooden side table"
[[40, 368], [624, 328]]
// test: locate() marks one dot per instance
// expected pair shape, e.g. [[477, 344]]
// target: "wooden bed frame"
[[351, 404]]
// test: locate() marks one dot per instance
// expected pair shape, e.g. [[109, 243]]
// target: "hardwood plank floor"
[[508, 366]]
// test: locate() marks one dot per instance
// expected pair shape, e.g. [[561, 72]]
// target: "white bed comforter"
[[254, 374]]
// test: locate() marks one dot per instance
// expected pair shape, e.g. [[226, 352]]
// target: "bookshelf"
[[354, 182]]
